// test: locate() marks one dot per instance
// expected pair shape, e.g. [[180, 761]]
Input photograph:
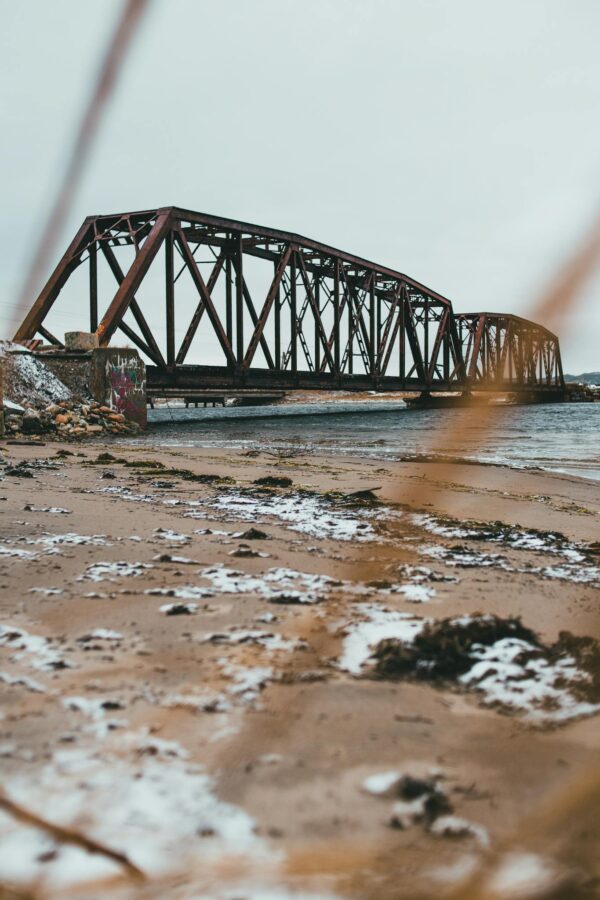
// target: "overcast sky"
[[455, 140]]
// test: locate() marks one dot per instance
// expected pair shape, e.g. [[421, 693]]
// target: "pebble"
[[69, 419]]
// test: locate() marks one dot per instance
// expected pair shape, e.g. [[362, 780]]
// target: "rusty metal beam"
[[206, 298], [320, 331], [155, 355], [49, 336], [133, 279], [42, 306], [170, 299], [253, 315], [199, 311], [264, 315]]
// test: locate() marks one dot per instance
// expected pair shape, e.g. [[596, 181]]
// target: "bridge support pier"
[[113, 376], [118, 380]]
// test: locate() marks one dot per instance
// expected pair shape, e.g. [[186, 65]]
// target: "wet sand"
[[148, 642]]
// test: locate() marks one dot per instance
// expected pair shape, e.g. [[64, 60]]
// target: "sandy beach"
[[188, 674]]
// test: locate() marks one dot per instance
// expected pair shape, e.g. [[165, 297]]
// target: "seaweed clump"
[[432, 801], [277, 481], [442, 651], [586, 652], [153, 467]]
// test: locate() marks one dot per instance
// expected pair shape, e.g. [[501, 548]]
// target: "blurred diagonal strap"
[[536, 830], [67, 835], [564, 288], [110, 68], [554, 303]]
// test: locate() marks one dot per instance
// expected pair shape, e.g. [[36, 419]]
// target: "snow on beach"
[[167, 814], [515, 675], [27, 378]]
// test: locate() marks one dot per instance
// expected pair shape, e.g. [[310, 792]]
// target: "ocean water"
[[561, 437]]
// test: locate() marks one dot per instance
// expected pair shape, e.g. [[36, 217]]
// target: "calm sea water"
[[559, 437]]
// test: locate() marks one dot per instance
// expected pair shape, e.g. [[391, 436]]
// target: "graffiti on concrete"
[[126, 377]]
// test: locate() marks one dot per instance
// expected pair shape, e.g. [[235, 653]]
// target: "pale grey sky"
[[455, 140]]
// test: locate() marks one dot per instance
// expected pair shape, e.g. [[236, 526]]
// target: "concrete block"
[[118, 381], [81, 340]]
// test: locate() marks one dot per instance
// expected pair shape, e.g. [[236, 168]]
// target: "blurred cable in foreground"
[[102, 89]]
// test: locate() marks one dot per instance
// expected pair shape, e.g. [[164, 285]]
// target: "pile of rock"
[[67, 419]]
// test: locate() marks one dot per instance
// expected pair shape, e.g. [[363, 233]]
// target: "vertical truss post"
[[351, 325], [170, 299], [372, 327], [378, 333], [228, 298], [293, 313], [336, 316], [559, 367], [519, 359], [446, 351], [317, 293], [93, 286], [277, 321], [402, 341], [239, 298], [426, 341]]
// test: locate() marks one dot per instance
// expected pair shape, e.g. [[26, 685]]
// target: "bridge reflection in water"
[[281, 312]]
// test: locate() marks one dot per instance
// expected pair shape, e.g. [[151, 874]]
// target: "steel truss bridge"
[[283, 312]]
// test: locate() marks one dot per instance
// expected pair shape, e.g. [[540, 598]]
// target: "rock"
[[69, 420], [32, 422], [81, 340], [254, 534]]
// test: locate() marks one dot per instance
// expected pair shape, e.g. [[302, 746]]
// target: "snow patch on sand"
[[31, 648], [269, 640], [248, 681], [308, 514], [109, 571], [515, 675], [375, 623], [141, 799]]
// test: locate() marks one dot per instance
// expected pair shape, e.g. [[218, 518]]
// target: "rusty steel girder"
[[321, 318], [507, 352]]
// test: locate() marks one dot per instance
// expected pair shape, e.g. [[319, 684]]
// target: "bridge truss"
[[280, 311]]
